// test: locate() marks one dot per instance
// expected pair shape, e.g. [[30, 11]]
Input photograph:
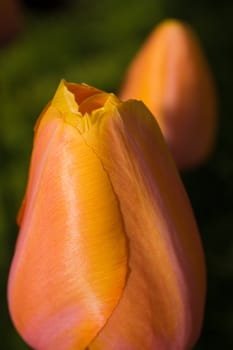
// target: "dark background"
[[93, 42]]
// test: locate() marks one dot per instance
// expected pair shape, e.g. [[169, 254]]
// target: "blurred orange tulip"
[[171, 76], [108, 255], [11, 20]]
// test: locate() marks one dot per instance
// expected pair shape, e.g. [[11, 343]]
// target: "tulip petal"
[[162, 304], [70, 264]]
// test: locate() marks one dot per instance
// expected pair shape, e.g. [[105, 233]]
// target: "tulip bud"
[[171, 76], [11, 20], [108, 255]]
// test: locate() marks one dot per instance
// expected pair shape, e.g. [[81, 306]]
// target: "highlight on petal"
[[171, 76], [70, 263], [108, 255]]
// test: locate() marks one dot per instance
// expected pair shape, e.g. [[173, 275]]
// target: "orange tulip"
[[108, 255], [11, 20], [171, 76]]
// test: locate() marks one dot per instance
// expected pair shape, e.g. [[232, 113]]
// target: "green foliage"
[[93, 42]]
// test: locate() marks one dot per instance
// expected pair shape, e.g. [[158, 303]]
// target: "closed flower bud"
[[171, 76], [108, 255], [11, 20]]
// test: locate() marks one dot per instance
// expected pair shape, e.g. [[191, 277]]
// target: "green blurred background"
[[93, 42]]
